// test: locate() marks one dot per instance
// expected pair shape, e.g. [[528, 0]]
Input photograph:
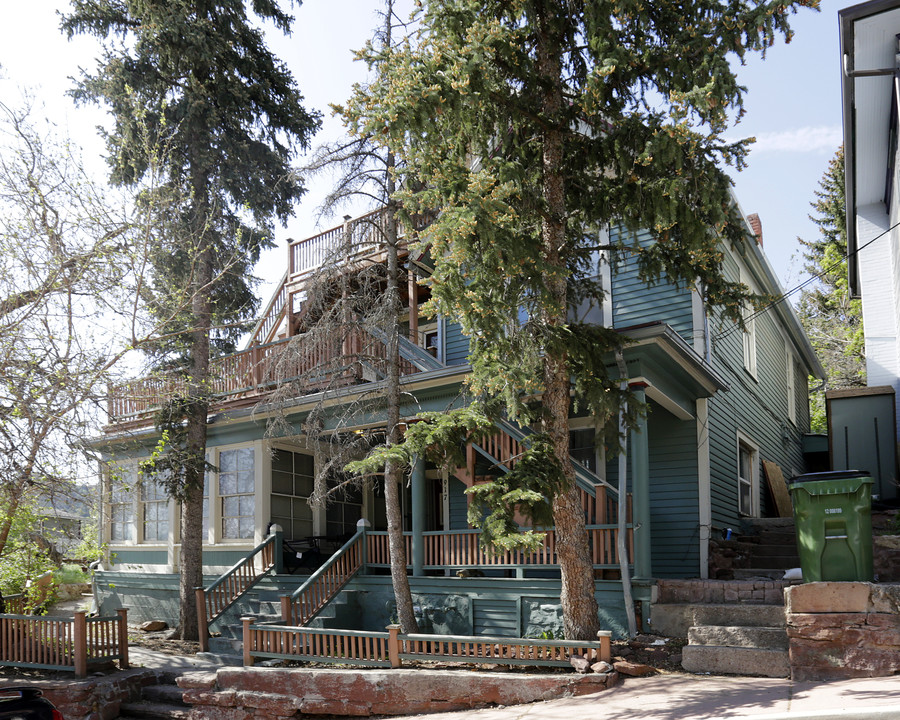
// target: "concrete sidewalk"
[[684, 697]]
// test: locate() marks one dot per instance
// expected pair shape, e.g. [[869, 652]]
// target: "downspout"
[[621, 545]]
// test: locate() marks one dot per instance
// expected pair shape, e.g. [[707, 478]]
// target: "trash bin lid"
[[831, 475]]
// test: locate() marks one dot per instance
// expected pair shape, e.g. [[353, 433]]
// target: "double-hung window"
[[236, 492], [121, 504], [154, 509], [748, 477]]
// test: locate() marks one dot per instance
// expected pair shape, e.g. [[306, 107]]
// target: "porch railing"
[[391, 648], [326, 582], [66, 644], [461, 548], [231, 585]]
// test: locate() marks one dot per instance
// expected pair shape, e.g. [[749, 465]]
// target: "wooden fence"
[[68, 644], [391, 648]]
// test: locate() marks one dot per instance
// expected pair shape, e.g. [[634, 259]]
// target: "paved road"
[[685, 697]]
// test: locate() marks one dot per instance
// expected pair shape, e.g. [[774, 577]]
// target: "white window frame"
[[157, 502], [125, 501], [217, 498], [744, 443]]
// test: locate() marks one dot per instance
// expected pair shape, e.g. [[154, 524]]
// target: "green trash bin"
[[833, 517]]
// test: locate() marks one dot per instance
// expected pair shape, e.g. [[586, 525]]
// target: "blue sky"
[[793, 105]]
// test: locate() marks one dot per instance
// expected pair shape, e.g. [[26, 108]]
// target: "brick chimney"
[[756, 226]]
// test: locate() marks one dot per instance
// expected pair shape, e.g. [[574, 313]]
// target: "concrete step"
[[735, 661], [764, 550], [675, 619], [153, 711], [769, 638]]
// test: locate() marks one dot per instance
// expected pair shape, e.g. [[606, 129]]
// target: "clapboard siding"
[[634, 302], [456, 349], [459, 506], [756, 406], [674, 511]]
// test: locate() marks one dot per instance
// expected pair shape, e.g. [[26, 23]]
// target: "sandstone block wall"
[[96, 698], [281, 693], [843, 629]]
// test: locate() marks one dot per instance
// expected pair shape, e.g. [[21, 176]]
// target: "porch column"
[[418, 516], [640, 488]]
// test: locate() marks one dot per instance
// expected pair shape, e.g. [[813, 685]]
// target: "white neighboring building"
[[871, 91]]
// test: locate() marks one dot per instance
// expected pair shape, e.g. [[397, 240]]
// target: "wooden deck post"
[[123, 637], [394, 645], [79, 643], [248, 655], [278, 548], [202, 624], [603, 636], [286, 610]]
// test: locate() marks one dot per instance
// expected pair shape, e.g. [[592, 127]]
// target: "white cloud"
[[814, 139]]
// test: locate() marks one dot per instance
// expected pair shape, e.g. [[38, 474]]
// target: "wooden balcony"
[[247, 377]]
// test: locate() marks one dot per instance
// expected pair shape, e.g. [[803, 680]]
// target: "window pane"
[[245, 459], [230, 527], [245, 482], [227, 485], [230, 507]]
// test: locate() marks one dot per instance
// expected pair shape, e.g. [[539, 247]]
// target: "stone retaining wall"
[[279, 693], [749, 592], [96, 698], [843, 630]]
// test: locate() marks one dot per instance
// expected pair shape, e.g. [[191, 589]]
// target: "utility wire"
[[812, 278]]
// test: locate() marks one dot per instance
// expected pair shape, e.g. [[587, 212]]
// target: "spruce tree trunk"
[[396, 541], [192, 504], [579, 603]]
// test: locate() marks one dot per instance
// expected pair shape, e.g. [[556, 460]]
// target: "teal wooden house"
[[720, 402]]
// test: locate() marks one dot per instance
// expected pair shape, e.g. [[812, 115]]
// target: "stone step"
[[167, 694], [761, 573], [735, 661], [769, 638], [675, 619], [153, 711]]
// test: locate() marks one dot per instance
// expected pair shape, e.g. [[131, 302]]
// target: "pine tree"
[[532, 125], [830, 317], [196, 77]]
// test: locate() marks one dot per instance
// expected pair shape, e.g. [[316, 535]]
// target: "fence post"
[[202, 626], [248, 655], [605, 650], [394, 645], [79, 643], [123, 637], [286, 610]]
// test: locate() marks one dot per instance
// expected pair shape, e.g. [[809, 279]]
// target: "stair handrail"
[[234, 583], [269, 319], [327, 581], [586, 479]]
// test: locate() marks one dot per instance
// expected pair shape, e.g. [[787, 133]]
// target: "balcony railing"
[[321, 361]]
